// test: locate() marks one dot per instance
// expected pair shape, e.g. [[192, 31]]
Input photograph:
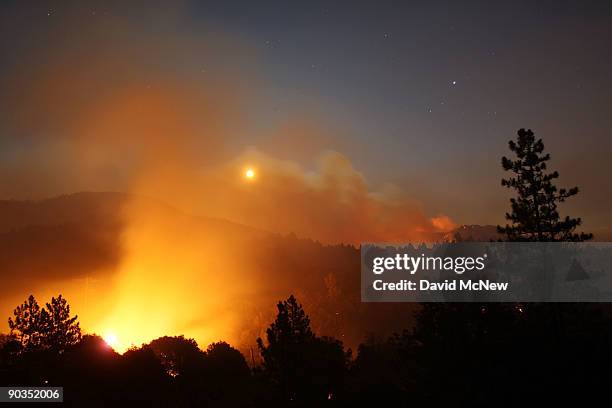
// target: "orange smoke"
[[106, 112], [330, 202]]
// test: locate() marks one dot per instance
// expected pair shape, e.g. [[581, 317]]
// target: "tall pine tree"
[[28, 323], [61, 330], [534, 215], [49, 328]]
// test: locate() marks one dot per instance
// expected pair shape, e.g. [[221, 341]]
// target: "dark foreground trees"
[[217, 376], [455, 354], [539, 352], [301, 365], [51, 327], [300, 368]]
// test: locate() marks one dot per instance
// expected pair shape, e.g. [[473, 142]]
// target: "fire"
[[111, 339], [175, 278]]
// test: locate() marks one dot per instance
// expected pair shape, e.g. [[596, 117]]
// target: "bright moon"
[[250, 173]]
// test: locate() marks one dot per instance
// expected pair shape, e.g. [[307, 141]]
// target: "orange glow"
[[443, 223], [175, 278], [112, 340], [175, 274]]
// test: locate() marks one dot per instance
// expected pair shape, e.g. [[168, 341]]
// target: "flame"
[[176, 278], [112, 340]]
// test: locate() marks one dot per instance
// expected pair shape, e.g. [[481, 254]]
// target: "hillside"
[[61, 240]]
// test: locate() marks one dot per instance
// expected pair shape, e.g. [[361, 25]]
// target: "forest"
[[473, 354]]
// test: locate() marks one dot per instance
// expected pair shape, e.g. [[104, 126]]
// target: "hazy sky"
[[423, 95]]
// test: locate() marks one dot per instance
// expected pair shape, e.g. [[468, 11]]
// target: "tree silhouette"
[[226, 362], [226, 376], [534, 215], [146, 382], [60, 330], [50, 328], [305, 367], [287, 338], [178, 355], [27, 326], [326, 369]]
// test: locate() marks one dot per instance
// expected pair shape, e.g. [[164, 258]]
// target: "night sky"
[[424, 95]]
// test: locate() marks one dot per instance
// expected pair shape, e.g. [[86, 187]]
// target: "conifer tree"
[[49, 328], [27, 325], [534, 215], [60, 329]]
